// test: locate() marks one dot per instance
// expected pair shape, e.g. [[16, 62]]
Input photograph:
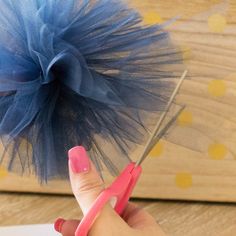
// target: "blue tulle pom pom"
[[78, 72]]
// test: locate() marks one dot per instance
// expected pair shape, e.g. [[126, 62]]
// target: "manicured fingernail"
[[79, 160], [58, 224]]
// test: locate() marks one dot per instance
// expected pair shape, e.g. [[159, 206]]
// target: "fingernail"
[[58, 224], [79, 160]]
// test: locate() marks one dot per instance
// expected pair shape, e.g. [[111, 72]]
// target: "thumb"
[[85, 181], [87, 185]]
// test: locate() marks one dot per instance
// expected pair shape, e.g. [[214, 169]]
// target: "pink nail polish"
[[79, 160], [58, 224]]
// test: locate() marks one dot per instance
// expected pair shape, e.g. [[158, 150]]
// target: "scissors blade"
[[161, 133], [160, 121]]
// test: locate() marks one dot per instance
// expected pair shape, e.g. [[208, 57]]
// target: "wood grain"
[[186, 169], [176, 218]]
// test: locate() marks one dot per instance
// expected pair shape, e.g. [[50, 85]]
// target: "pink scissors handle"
[[121, 189]]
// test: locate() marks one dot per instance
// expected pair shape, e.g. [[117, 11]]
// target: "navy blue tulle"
[[78, 72]]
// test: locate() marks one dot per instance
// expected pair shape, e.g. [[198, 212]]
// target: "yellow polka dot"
[[3, 173], [183, 180], [157, 150], [217, 23], [217, 88], [217, 151], [185, 118], [152, 18], [231, 77]]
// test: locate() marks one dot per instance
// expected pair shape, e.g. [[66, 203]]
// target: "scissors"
[[121, 189]]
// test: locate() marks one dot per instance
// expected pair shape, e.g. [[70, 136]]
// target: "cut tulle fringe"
[[78, 72]]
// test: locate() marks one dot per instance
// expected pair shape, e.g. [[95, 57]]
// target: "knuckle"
[[90, 185]]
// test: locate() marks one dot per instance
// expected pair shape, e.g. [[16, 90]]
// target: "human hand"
[[87, 185]]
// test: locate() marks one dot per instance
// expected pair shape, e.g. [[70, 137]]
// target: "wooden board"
[[196, 161], [176, 218]]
